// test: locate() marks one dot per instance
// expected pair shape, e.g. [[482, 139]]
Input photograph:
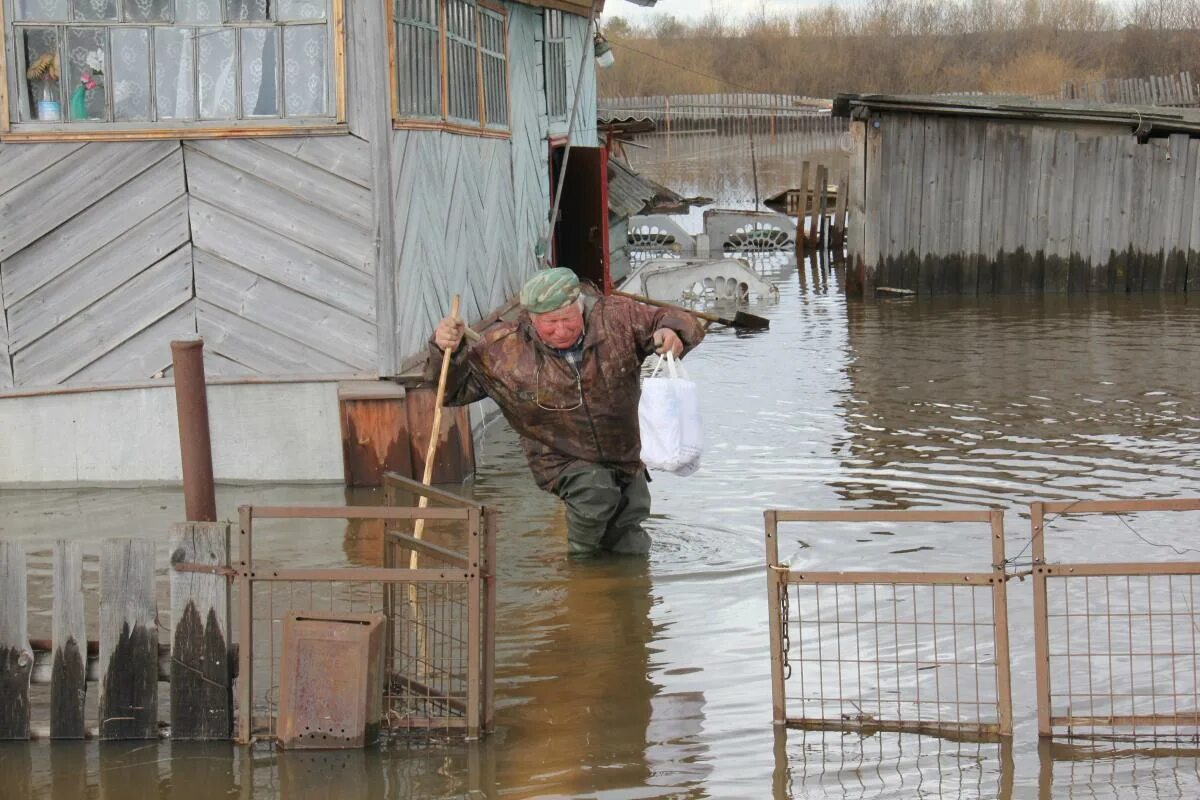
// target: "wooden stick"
[[423, 502], [431, 451]]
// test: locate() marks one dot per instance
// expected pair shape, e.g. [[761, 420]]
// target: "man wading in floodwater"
[[565, 376]]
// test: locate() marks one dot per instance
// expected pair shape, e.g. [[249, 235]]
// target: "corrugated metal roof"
[[628, 192], [1143, 119], [626, 124]]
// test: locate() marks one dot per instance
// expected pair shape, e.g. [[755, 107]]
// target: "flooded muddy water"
[[637, 678], [630, 678]]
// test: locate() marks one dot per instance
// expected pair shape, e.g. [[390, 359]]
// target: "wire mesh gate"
[[923, 652], [1116, 643], [439, 606]]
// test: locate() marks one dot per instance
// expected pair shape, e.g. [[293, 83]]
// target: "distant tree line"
[[1019, 46]]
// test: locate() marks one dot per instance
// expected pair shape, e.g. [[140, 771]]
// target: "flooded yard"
[[637, 678], [630, 678]]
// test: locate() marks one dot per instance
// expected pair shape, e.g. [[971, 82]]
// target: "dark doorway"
[[581, 234]]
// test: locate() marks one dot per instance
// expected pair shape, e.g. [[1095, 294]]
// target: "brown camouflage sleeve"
[[647, 319], [462, 385]]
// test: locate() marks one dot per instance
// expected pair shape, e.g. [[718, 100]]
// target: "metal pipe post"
[[195, 444]]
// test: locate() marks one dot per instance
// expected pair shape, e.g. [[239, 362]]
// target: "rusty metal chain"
[[785, 641]]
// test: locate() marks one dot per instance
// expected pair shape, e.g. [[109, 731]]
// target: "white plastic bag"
[[669, 416]]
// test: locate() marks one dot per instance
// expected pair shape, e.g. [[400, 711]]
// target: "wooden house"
[[993, 195], [303, 183]]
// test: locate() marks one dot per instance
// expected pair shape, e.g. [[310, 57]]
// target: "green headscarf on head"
[[549, 290]]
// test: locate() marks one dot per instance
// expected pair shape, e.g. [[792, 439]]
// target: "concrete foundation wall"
[[260, 432]]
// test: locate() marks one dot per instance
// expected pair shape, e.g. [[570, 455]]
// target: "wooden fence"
[[1156, 90], [126, 661]]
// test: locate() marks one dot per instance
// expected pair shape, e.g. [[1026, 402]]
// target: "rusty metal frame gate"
[[1101, 657], [874, 654], [463, 573]]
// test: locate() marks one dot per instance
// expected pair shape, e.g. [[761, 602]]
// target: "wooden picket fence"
[[126, 661]]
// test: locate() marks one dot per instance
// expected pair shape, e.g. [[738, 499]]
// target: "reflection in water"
[[845, 765], [1117, 771]]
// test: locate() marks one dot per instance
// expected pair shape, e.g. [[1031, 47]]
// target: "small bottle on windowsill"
[[48, 107]]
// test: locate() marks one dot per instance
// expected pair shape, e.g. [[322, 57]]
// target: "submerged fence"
[[1115, 643], [433, 593]]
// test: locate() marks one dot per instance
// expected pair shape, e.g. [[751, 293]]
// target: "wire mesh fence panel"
[[914, 654], [920, 652], [1116, 642]]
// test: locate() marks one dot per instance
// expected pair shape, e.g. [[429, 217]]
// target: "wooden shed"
[[987, 195], [303, 183]]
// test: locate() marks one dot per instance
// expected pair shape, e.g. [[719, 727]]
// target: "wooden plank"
[[1141, 190], [128, 641], [375, 438], [260, 349], [802, 211], [98, 329], [346, 156], [70, 187], [1041, 170], [934, 196], [107, 219], [280, 259], [915, 201], [144, 356], [99, 274], [249, 197], [888, 174], [1010, 278], [972, 223], [1087, 184], [19, 163], [456, 449], [1157, 196], [6, 376], [309, 322], [1121, 230], [1192, 279], [348, 201], [1180, 197], [68, 679], [873, 216], [16, 657], [1059, 209], [992, 217], [201, 678], [1103, 211]]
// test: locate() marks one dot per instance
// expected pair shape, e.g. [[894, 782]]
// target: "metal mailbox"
[[331, 682]]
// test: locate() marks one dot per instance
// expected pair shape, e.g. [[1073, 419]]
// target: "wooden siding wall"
[[469, 210], [971, 206], [111, 249], [268, 247]]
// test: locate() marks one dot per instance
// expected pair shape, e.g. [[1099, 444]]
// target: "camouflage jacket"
[[567, 414]]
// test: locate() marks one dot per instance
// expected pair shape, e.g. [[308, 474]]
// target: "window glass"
[[180, 61]]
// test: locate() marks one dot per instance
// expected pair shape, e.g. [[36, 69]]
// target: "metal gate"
[[1116, 643], [924, 652]]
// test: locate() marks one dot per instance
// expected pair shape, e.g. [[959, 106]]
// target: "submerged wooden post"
[[813, 221], [839, 216], [802, 212], [16, 656], [68, 673], [128, 641], [821, 203], [201, 679]]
